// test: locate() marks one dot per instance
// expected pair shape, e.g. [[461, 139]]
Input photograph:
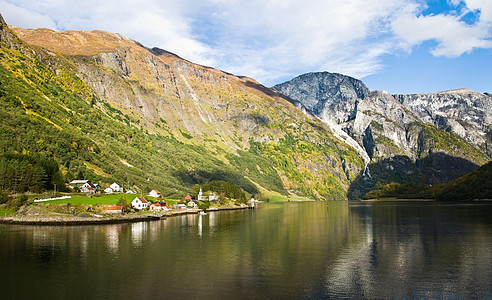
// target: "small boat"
[[202, 213]]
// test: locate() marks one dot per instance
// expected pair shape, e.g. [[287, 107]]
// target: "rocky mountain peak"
[[464, 112], [74, 42], [462, 91], [402, 137], [332, 97]]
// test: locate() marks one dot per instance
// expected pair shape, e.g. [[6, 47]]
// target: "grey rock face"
[[330, 96], [408, 138], [464, 112]]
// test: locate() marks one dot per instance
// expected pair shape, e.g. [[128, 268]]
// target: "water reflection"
[[286, 250], [200, 225], [113, 239]]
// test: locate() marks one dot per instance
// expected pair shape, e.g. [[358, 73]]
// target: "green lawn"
[[283, 198], [5, 212], [103, 199]]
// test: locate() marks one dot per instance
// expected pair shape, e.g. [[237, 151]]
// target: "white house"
[[158, 206], [154, 193], [210, 197], [179, 206], [116, 188], [140, 203], [131, 192], [108, 190], [88, 188], [78, 183], [192, 204]]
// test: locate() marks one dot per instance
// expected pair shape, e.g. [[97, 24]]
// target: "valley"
[[100, 106]]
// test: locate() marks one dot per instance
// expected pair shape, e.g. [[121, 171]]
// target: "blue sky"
[[401, 46]]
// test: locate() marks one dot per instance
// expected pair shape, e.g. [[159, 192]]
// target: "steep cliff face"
[[464, 112], [250, 133], [402, 138], [330, 96]]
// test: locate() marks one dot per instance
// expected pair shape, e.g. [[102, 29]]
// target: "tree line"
[[21, 173]]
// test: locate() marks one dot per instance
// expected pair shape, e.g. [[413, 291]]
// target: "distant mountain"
[[476, 185], [407, 138], [106, 108], [464, 112]]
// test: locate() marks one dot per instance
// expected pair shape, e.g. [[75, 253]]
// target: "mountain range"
[[421, 138], [107, 108]]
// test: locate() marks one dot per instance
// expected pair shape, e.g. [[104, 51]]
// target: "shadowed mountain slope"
[[427, 139]]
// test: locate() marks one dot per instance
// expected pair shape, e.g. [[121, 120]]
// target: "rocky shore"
[[94, 219]]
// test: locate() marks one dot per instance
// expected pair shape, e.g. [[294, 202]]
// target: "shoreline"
[[74, 220]]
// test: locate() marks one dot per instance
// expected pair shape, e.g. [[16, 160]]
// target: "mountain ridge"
[[158, 121], [269, 140], [405, 143]]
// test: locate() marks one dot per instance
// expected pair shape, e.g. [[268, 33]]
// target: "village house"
[[179, 206], [192, 204], [131, 192], [158, 206], [108, 190], [210, 197], [188, 197], [89, 188], [84, 186], [78, 183], [114, 209], [140, 203], [116, 188], [154, 193]]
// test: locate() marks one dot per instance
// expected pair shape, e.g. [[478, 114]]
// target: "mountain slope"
[[150, 119], [400, 145], [471, 186], [464, 112]]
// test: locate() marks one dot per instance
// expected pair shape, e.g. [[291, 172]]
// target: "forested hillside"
[[108, 109]]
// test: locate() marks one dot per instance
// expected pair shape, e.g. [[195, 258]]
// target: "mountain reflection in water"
[[280, 250]]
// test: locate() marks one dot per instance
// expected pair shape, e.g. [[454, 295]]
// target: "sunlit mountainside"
[[106, 108]]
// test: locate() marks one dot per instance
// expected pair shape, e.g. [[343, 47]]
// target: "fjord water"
[[278, 251]]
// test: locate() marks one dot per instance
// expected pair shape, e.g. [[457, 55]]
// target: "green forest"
[[474, 185], [54, 129]]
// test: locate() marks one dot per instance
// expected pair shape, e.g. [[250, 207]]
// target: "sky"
[[401, 46]]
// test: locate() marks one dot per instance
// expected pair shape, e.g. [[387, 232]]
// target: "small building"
[[192, 204], [140, 203], [154, 193], [116, 188], [210, 197], [188, 197], [108, 190], [179, 206], [253, 200], [131, 192], [114, 209], [88, 188], [159, 206], [78, 183]]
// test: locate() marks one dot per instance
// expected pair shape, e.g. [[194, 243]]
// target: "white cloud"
[[24, 18], [151, 22], [270, 40], [452, 34], [290, 37]]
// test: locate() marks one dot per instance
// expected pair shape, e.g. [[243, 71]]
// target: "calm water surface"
[[278, 251]]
